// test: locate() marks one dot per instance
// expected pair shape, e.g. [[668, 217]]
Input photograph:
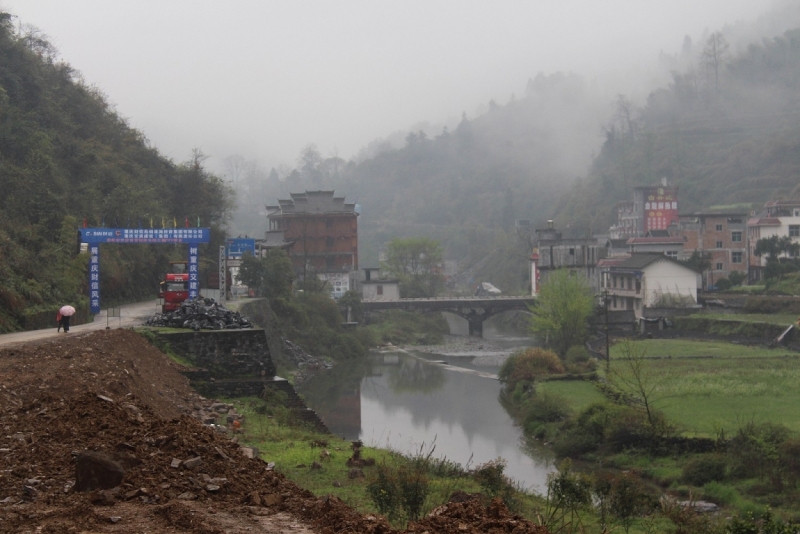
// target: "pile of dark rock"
[[307, 365], [201, 314]]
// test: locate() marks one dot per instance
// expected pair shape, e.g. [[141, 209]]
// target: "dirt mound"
[[471, 516], [113, 393]]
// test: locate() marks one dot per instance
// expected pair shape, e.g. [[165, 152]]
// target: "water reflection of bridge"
[[474, 309]]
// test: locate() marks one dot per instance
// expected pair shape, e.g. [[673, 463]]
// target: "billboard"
[[145, 235], [338, 283], [237, 247], [660, 207]]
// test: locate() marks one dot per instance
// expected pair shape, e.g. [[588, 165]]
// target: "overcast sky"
[[265, 78]]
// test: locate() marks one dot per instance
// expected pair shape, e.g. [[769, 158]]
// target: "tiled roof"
[[640, 261], [654, 240], [314, 202]]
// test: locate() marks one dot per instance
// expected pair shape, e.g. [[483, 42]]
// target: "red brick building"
[[720, 236], [324, 230]]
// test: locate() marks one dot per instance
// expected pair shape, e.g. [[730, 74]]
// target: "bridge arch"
[[474, 309]]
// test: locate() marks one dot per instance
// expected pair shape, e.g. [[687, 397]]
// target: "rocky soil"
[[107, 413]]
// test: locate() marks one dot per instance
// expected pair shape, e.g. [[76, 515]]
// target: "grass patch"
[[577, 393], [705, 387], [295, 448]]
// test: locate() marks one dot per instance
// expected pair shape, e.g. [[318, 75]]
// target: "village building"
[[718, 236], [324, 232], [375, 287], [649, 281], [552, 252], [652, 208], [657, 243], [779, 218]]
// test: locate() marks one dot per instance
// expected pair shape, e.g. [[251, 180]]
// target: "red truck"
[[174, 288]]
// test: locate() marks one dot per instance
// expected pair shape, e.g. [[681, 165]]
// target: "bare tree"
[[714, 56]]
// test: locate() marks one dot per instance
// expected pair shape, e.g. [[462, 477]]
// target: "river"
[[416, 401]]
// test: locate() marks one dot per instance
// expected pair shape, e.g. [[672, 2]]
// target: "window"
[[672, 254], [794, 230], [329, 242], [638, 286], [718, 228], [329, 262], [719, 266], [719, 244], [630, 283], [328, 223], [736, 257], [380, 290], [615, 282], [736, 237]]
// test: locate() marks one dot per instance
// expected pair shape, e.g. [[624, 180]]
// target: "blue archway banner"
[[145, 235], [95, 236]]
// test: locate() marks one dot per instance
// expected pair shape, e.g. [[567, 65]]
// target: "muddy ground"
[[114, 393]]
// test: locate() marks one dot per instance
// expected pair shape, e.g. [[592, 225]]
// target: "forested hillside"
[[66, 157], [727, 131]]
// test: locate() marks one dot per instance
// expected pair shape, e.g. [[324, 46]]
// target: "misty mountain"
[[465, 187], [723, 129], [726, 131]]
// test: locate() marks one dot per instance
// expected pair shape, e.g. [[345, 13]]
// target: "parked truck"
[[174, 287]]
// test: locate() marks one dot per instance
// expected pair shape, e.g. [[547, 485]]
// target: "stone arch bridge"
[[474, 309]]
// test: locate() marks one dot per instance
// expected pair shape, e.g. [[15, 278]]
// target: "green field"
[[707, 386]]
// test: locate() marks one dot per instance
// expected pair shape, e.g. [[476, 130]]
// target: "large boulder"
[[97, 470]]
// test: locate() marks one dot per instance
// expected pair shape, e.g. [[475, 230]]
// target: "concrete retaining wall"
[[234, 363]]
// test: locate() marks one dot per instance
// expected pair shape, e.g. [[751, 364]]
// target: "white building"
[[649, 281], [780, 218]]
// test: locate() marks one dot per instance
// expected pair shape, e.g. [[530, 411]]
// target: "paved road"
[[132, 315]]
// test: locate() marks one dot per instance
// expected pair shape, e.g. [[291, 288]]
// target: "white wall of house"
[[380, 291], [790, 226], [662, 277]]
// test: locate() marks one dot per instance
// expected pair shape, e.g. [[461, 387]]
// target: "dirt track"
[[111, 391]]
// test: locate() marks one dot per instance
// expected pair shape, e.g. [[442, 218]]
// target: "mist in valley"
[[448, 120]]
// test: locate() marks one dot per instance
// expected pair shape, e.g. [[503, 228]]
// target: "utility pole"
[[608, 352]]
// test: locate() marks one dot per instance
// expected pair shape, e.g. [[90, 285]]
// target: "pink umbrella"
[[67, 311]]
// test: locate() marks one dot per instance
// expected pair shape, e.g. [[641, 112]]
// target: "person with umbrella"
[[65, 313]]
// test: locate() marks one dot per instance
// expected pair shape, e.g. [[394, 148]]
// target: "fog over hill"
[[527, 112]]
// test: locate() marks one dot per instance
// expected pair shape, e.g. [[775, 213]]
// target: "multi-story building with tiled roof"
[[324, 229]]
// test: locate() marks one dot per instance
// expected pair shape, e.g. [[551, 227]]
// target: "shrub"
[[382, 489], [494, 483], [631, 428], [527, 365], [756, 450], [545, 408], [574, 442], [577, 354], [585, 433], [721, 493], [579, 361], [704, 469]]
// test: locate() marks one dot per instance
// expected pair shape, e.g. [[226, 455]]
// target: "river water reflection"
[[399, 400]]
